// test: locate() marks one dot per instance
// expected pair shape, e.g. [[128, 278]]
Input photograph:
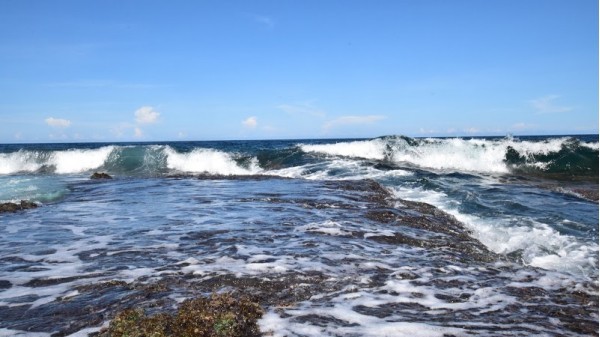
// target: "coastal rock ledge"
[[100, 175], [14, 207]]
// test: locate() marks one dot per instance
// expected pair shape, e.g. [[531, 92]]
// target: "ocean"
[[391, 236]]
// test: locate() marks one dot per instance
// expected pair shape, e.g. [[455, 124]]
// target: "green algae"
[[220, 315]]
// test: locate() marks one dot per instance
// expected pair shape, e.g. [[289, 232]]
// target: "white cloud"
[[547, 104], [58, 122], [301, 109], [181, 134], [137, 132], [146, 115], [250, 122], [352, 120]]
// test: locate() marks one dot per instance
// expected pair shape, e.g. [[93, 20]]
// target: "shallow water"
[[329, 242]]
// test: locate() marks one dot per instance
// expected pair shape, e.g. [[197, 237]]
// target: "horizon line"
[[299, 139]]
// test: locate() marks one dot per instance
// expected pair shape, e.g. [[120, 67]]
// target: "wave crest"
[[564, 155], [76, 161], [211, 161]]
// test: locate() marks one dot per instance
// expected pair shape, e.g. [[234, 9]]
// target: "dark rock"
[[44, 282], [219, 315], [4, 284], [100, 175], [13, 207], [589, 194]]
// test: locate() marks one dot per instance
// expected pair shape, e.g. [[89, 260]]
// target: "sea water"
[[389, 236]]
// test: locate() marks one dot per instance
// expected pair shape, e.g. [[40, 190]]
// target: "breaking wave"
[[566, 155], [211, 162], [524, 238], [67, 161], [135, 160]]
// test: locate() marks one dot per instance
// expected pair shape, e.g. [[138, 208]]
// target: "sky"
[[126, 70]]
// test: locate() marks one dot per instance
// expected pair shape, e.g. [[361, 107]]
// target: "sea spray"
[[564, 155], [76, 161], [209, 161]]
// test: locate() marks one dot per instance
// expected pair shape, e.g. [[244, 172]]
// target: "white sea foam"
[[455, 154], [369, 149], [208, 161], [593, 146], [337, 169], [68, 161], [341, 308], [12, 333], [20, 161], [538, 244], [327, 227], [75, 161]]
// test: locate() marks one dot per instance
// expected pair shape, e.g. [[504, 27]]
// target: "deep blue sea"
[[391, 236]]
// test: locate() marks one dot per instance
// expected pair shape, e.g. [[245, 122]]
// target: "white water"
[[75, 161], [455, 154], [63, 162], [18, 161], [368, 149], [337, 169], [104, 229], [540, 245], [82, 160], [208, 161]]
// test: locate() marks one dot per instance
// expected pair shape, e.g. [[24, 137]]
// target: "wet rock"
[[323, 321], [457, 265], [589, 194], [96, 287], [399, 239], [381, 215], [372, 191], [4, 284], [14, 207], [44, 282], [100, 175], [222, 315], [206, 176]]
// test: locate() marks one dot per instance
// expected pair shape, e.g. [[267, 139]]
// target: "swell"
[[572, 159], [60, 162], [143, 160], [555, 158], [560, 157]]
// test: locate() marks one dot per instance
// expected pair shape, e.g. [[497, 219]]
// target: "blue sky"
[[202, 70]]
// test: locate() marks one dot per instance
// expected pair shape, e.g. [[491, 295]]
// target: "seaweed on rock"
[[220, 315]]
